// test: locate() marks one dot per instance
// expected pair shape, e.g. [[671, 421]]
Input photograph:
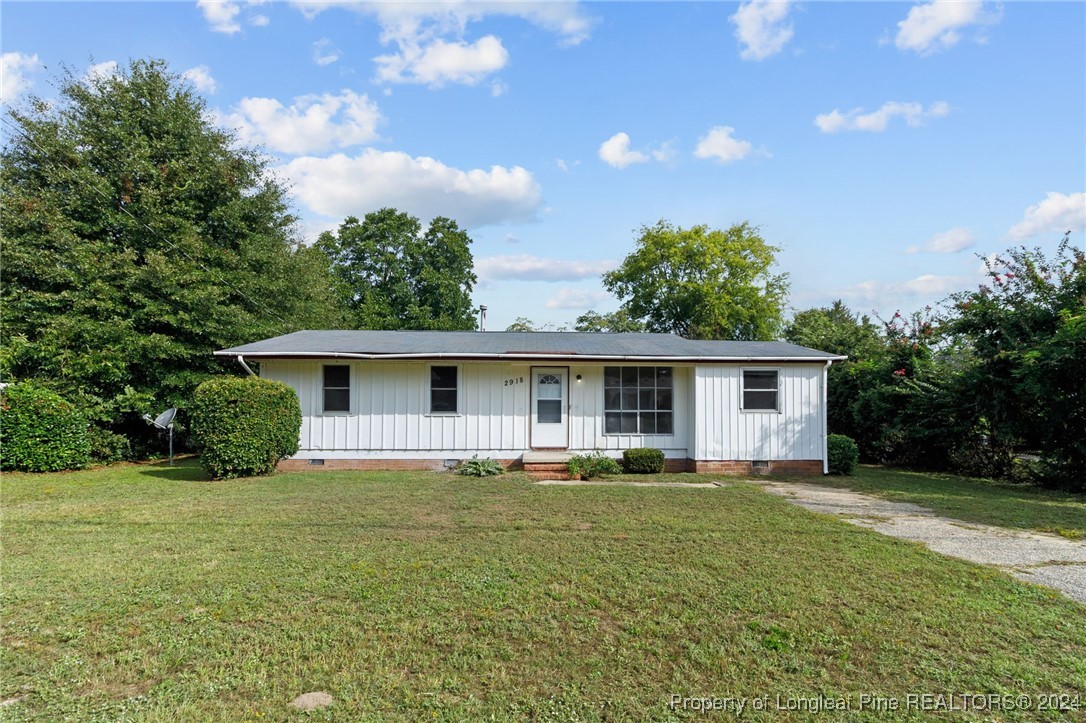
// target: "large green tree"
[[702, 283], [394, 276], [138, 238], [616, 322]]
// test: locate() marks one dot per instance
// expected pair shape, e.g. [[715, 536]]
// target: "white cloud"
[[928, 288], [876, 121], [441, 62], [572, 298], [615, 151], [325, 52], [665, 153], [201, 79], [1056, 214], [100, 71], [933, 26], [311, 124], [14, 67], [946, 242], [524, 267], [498, 88], [761, 28], [718, 143], [220, 15], [259, 21], [341, 185]]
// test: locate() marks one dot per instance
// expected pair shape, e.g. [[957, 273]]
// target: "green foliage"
[[138, 238], [617, 322], [522, 323], [243, 426], [592, 465], [107, 446], [476, 467], [842, 454], [645, 460], [837, 330], [393, 276], [1025, 333], [702, 283], [40, 431]]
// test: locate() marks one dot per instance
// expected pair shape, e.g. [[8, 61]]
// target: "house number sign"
[[514, 380]]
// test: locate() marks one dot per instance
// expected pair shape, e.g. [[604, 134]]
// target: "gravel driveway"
[[1031, 556]]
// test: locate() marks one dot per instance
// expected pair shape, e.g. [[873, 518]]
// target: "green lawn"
[[148, 593], [975, 500]]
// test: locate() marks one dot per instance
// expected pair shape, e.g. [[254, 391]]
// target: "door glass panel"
[[549, 411]]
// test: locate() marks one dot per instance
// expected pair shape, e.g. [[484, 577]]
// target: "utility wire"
[[154, 233]]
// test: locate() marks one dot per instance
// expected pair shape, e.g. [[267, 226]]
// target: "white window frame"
[[604, 410], [743, 390], [350, 390], [428, 397]]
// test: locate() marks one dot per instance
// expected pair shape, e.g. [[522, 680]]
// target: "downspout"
[[241, 360], [825, 418]]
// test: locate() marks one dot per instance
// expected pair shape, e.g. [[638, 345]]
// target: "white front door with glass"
[[550, 410]]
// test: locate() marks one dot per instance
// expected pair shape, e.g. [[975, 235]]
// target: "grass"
[[975, 500], [147, 593]]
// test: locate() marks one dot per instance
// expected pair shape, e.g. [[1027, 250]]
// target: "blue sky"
[[883, 146]]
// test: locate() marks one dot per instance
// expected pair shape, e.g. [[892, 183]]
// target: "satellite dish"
[[164, 420]]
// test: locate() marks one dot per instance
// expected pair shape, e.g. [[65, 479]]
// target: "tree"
[[1026, 335], [522, 323], [137, 239], [616, 322], [702, 283], [837, 330]]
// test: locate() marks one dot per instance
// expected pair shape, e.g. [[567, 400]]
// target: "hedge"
[[40, 431], [645, 460], [243, 426], [843, 454]]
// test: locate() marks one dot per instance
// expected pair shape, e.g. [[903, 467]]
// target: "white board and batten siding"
[[724, 431]]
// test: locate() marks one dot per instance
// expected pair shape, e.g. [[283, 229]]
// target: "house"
[[427, 399]]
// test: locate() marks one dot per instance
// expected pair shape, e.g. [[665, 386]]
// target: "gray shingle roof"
[[516, 344]]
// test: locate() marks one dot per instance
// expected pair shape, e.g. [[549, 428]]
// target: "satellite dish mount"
[[165, 421]]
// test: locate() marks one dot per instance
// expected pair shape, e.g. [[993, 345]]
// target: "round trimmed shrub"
[[243, 426], [40, 431], [843, 454], [645, 460]]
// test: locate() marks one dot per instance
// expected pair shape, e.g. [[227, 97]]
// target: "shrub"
[[107, 446], [40, 431], [843, 454], [643, 461], [243, 426], [592, 465], [476, 467]]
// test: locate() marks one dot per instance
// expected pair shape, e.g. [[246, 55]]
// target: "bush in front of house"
[[243, 426], [589, 466], [645, 460], [40, 431], [476, 467], [843, 454]]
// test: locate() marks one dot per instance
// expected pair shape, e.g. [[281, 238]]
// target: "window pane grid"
[[443, 389], [337, 388], [760, 390], [638, 400]]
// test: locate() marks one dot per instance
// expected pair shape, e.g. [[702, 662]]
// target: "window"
[[549, 399], [760, 390], [637, 400], [443, 388], [337, 388]]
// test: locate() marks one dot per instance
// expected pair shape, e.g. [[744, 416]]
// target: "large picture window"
[[638, 400], [760, 390], [443, 389], [337, 388]]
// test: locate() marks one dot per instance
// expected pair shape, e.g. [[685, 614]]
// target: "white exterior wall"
[[724, 432], [390, 399]]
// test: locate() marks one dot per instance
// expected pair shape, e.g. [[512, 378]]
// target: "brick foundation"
[[746, 467], [376, 465]]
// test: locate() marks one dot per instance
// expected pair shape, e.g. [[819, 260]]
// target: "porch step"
[[547, 465], [546, 457]]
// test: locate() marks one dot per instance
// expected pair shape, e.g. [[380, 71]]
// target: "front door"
[[550, 409]]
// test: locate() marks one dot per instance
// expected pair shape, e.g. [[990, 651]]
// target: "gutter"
[[538, 356], [241, 360], [825, 417]]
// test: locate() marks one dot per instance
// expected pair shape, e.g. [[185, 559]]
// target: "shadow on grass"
[[183, 470]]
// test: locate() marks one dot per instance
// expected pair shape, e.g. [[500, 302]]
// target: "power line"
[[47, 156]]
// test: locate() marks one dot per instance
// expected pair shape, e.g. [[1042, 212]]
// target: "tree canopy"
[[138, 238], [835, 329], [615, 322], [702, 283], [393, 276]]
